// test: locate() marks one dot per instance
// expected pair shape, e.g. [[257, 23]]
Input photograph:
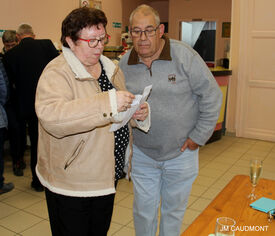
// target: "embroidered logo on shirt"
[[172, 78]]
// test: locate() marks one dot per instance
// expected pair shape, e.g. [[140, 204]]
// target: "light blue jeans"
[[169, 181]]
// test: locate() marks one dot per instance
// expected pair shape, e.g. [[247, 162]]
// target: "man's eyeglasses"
[[94, 42], [150, 32]]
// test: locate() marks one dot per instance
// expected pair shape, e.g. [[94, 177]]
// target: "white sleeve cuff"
[[113, 103], [117, 116]]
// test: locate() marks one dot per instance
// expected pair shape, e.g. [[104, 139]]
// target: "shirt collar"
[[78, 68], [164, 55]]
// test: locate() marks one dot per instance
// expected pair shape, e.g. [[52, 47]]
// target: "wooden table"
[[232, 202]]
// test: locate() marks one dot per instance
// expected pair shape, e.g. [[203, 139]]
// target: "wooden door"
[[255, 115]]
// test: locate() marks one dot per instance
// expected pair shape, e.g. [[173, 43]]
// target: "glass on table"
[[256, 167], [225, 226]]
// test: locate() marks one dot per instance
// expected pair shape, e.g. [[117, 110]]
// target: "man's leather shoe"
[[6, 188]]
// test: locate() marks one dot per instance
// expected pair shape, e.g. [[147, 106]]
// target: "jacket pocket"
[[75, 154]]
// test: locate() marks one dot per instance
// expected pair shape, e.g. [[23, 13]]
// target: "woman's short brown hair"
[[78, 19]]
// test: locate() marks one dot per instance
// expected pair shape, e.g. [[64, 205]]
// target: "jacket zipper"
[[74, 155]]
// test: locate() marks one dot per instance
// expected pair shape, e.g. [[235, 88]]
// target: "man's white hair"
[[145, 10], [25, 29]]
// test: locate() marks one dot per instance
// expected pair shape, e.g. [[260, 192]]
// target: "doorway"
[[200, 35]]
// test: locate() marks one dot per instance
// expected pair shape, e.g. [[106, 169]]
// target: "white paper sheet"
[[139, 99]]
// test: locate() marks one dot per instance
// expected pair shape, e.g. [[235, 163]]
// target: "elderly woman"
[[79, 95]]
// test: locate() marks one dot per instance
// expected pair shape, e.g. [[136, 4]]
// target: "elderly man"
[[185, 103]]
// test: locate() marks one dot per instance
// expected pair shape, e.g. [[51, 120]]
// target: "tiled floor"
[[24, 212]]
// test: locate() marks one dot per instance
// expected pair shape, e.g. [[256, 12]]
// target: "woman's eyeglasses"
[[94, 42]]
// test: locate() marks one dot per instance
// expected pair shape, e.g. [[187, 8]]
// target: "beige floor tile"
[[23, 183], [200, 204], [9, 176], [241, 145], [6, 232], [239, 150], [42, 229], [122, 215], [243, 170], [242, 163], [211, 193], [189, 216], [125, 231], [37, 194], [191, 199], [127, 202], [213, 173], [198, 190], [10, 194], [125, 186], [6, 210], [246, 140], [265, 144], [229, 138], [271, 155], [268, 174], [212, 150], [269, 165], [28, 173], [183, 228], [204, 181], [261, 148], [206, 157], [229, 154], [19, 221], [225, 160], [250, 156], [22, 200], [120, 196], [39, 209], [228, 176], [202, 164], [218, 165], [257, 152], [131, 225], [220, 184], [114, 227]]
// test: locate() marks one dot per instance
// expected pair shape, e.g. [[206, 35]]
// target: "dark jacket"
[[3, 96], [24, 64]]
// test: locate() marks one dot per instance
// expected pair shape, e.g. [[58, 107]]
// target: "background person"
[[185, 103], [79, 95], [16, 128], [9, 40], [24, 64], [4, 187]]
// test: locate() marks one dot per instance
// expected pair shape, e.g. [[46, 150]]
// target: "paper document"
[[139, 99]]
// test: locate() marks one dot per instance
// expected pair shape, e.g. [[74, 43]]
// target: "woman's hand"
[[124, 100], [142, 112]]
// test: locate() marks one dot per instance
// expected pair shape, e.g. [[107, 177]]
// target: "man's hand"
[[142, 112], [189, 144]]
